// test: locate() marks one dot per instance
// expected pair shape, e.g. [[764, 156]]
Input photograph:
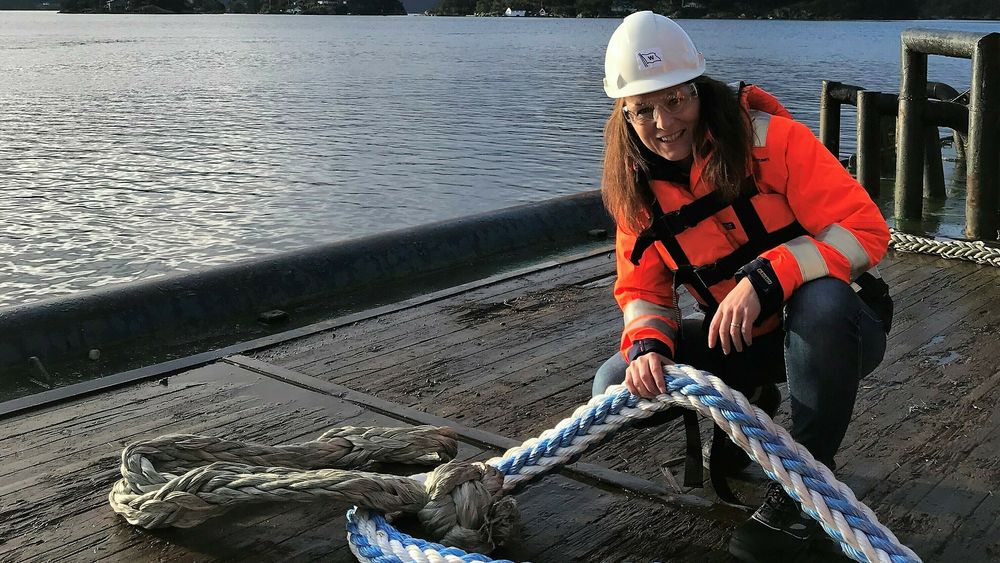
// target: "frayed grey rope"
[[182, 480]]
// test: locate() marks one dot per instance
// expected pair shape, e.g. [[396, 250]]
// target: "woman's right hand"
[[644, 376]]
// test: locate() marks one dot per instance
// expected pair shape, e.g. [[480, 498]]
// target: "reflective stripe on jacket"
[[798, 180]]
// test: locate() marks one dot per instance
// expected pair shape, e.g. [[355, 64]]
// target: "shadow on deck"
[[505, 358]]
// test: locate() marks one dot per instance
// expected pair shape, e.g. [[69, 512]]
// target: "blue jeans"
[[829, 340]]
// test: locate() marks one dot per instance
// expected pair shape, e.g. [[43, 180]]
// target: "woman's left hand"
[[732, 325]]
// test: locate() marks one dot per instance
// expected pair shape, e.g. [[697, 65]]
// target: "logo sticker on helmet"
[[650, 58]]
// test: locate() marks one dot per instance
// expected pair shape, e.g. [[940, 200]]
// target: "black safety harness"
[[665, 228]]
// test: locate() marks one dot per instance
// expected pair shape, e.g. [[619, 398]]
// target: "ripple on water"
[[129, 151]]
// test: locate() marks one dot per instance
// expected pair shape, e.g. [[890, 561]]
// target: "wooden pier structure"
[[501, 359]]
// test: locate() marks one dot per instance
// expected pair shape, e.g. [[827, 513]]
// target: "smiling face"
[[665, 120]]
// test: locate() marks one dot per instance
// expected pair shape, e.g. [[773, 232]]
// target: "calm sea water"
[[131, 146]]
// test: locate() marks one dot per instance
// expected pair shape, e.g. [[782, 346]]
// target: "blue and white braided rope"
[[971, 250], [821, 495], [373, 540]]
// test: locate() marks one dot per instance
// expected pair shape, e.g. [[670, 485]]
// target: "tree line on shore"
[[777, 9], [322, 7], [752, 9]]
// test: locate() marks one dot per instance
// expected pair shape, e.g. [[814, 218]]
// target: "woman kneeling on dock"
[[716, 188]]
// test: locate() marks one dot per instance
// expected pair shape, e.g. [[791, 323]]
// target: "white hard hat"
[[649, 52]]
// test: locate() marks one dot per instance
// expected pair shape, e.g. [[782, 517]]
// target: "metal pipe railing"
[[983, 162], [983, 143], [933, 165], [944, 113]]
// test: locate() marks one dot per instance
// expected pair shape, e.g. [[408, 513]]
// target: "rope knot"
[[467, 507]]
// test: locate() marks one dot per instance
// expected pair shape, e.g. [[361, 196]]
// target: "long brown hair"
[[721, 137]]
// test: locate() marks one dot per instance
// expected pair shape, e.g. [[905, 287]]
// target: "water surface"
[[134, 145]]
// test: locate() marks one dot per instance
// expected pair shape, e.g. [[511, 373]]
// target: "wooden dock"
[[502, 359]]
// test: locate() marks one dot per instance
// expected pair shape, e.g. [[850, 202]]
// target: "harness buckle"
[[677, 221], [708, 274], [700, 274], [643, 242]]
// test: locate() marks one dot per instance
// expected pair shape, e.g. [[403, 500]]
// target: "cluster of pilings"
[[919, 109], [875, 125]]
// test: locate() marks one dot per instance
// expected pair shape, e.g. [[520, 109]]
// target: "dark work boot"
[[778, 531], [731, 458]]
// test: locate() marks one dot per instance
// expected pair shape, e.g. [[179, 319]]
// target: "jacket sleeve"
[[847, 233], [645, 294]]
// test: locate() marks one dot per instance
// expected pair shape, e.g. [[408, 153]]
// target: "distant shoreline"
[[719, 18], [804, 10], [986, 18]]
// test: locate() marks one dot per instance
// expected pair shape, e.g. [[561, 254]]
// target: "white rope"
[[973, 251]]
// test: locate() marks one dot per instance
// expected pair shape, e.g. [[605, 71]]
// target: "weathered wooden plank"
[[409, 326], [58, 510], [522, 373], [462, 327], [39, 441], [906, 269], [923, 347], [128, 428], [920, 452], [29, 482], [572, 359], [83, 412], [897, 261], [522, 408], [475, 329], [900, 456], [230, 540], [631, 530], [977, 534], [937, 295]]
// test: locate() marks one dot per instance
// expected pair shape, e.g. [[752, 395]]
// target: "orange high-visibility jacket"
[[797, 179]]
